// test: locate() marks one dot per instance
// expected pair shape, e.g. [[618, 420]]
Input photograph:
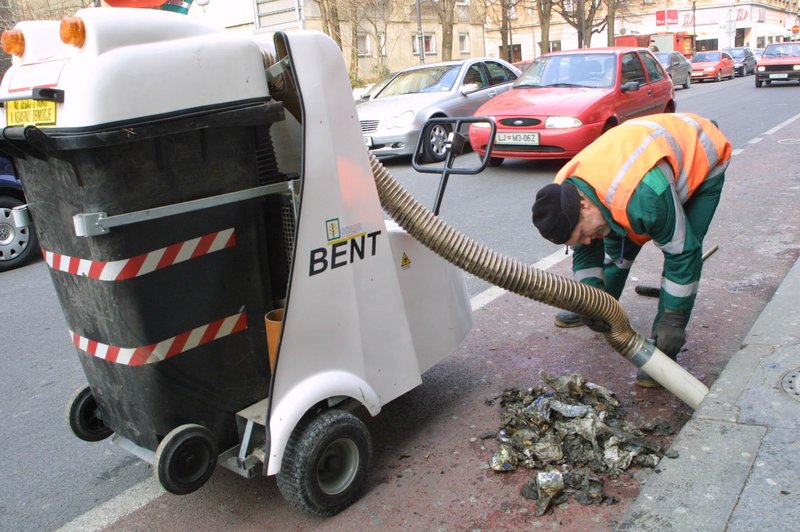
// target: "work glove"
[[595, 324], [670, 333]]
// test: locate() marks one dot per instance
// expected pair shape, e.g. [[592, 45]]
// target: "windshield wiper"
[[564, 85]]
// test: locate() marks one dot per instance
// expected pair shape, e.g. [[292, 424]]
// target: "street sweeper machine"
[[215, 232]]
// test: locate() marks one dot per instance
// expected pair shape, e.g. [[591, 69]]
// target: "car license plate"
[[367, 140], [527, 139], [31, 113], [697, 74], [778, 76]]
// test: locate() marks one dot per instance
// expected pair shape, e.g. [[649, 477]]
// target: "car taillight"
[[13, 42]]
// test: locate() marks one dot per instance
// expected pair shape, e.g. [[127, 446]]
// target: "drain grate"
[[791, 383]]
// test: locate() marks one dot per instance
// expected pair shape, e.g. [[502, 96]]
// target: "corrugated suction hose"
[[530, 282]]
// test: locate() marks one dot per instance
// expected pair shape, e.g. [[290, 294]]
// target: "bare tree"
[[46, 9], [378, 15], [445, 10], [354, 12], [616, 9], [500, 13], [580, 14], [544, 12], [329, 13]]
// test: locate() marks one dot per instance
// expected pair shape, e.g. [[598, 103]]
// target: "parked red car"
[[565, 100], [714, 65], [780, 62]]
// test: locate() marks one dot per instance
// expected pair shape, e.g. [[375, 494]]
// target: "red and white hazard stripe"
[[120, 270], [149, 354]]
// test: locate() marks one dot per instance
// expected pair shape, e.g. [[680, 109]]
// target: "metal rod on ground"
[[653, 291]]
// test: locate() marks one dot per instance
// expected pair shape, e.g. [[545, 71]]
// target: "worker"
[[659, 178], [653, 47]]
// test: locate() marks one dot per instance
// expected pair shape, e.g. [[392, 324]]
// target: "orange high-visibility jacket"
[[615, 164]]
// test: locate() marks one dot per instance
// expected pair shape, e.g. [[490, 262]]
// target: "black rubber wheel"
[[84, 417], [17, 244], [495, 161], [719, 76], [325, 463], [688, 82], [758, 83], [434, 142], [186, 458]]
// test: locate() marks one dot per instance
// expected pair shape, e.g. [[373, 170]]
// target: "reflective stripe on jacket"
[[615, 163]]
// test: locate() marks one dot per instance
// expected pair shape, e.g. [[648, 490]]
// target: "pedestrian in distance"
[[653, 47], [658, 178]]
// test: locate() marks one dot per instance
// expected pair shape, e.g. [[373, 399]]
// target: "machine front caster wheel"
[[325, 463], [186, 458], [84, 416]]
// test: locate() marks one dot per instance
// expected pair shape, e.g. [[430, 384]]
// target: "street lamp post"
[[694, 26]]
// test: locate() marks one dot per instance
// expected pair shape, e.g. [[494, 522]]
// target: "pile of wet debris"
[[571, 432]]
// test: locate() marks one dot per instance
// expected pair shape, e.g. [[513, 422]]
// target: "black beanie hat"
[[556, 211]]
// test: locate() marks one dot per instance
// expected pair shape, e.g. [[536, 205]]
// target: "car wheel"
[[719, 76], [688, 81], [17, 244], [495, 161], [434, 144], [758, 83], [325, 463]]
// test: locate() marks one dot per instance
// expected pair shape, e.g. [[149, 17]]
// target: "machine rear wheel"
[[84, 416], [186, 458], [325, 463]]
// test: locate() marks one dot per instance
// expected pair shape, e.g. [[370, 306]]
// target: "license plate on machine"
[[527, 139], [30, 113], [778, 76], [367, 140]]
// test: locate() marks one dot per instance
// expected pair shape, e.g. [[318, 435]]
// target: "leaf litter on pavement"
[[571, 433]]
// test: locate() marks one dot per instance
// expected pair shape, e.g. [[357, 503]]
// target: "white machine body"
[[369, 309]]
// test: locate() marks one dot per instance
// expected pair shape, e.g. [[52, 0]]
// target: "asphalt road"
[[50, 477]]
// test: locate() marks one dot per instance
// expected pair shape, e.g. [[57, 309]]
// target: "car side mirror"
[[469, 88], [630, 86]]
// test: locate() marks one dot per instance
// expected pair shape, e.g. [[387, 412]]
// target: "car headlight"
[[796, 67], [760, 69], [560, 122], [402, 120]]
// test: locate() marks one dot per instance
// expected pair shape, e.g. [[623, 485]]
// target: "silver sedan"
[[392, 120]]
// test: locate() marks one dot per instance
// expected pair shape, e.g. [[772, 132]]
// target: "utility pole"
[[694, 27], [420, 37]]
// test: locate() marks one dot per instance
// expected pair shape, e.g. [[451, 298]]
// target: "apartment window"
[[362, 44], [555, 46], [462, 2], [463, 43], [512, 13], [429, 43]]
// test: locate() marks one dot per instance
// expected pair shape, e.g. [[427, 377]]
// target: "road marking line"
[[115, 509], [782, 124], [737, 151], [755, 140], [492, 293]]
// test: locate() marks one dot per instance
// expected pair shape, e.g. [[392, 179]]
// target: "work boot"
[[646, 381], [566, 320]]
